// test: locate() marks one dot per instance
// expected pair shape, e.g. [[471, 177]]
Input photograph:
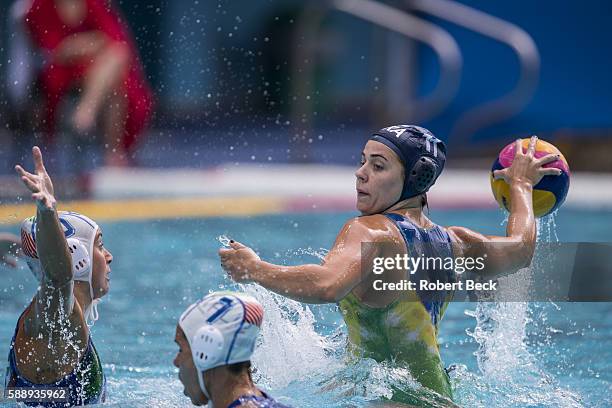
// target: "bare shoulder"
[[465, 241], [373, 228], [464, 235]]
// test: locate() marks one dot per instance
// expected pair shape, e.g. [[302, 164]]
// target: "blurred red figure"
[[87, 45]]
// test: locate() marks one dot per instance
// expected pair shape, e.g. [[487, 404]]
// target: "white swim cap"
[[221, 329], [80, 232]]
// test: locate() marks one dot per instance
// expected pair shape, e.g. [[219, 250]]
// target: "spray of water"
[[509, 372], [294, 354]]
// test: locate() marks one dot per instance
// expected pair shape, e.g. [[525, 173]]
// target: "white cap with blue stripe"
[[80, 232], [221, 329]]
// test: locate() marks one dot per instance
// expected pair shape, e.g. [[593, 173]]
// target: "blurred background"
[[291, 82], [175, 122]]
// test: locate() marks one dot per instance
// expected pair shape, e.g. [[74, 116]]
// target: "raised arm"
[[329, 282], [515, 250], [55, 292]]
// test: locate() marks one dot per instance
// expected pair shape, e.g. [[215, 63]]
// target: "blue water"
[[514, 354]]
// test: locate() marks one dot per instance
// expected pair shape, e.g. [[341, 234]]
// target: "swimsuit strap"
[[265, 401], [432, 242], [245, 398]]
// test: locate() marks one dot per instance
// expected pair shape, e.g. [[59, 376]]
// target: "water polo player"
[[52, 346], [399, 164], [216, 338]]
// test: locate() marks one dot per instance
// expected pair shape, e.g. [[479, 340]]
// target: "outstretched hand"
[[238, 261], [525, 167], [38, 183]]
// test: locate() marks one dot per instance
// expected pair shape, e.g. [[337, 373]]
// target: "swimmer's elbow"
[[515, 260], [523, 253], [525, 256], [328, 286], [330, 292]]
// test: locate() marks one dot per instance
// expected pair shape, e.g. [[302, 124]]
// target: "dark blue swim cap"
[[422, 154]]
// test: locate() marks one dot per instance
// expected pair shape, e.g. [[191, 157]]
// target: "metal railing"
[[500, 30], [390, 18], [440, 41]]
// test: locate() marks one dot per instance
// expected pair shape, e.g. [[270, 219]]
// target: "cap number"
[[225, 304]]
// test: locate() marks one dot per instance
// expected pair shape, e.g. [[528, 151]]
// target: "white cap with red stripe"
[[221, 329]]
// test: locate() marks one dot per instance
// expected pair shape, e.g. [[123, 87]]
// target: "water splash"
[[510, 373], [293, 355], [289, 340], [224, 240]]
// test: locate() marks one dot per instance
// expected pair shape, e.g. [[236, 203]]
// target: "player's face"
[[101, 259], [188, 373], [380, 179]]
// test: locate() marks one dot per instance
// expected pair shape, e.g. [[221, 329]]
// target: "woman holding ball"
[[398, 166]]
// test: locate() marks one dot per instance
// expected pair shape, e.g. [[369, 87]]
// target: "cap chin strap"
[[398, 201], [82, 270], [91, 313], [203, 388]]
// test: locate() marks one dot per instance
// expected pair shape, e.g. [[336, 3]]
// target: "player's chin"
[[199, 401], [102, 290], [365, 208], [362, 206]]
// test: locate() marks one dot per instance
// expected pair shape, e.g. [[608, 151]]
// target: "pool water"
[[512, 354]]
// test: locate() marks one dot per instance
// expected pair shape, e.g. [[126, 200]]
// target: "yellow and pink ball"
[[549, 193]]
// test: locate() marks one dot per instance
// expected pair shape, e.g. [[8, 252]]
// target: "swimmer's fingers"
[[23, 173], [226, 255], [549, 158], [44, 201], [236, 245], [532, 146], [38, 160], [40, 181], [39, 197], [31, 184], [500, 174], [224, 252], [550, 171], [31, 181], [518, 148]]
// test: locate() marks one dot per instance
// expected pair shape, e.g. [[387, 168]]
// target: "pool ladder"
[[444, 46]]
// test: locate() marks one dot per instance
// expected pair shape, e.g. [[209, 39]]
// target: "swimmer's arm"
[[514, 251], [329, 282], [54, 299], [56, 286], [309, 283], [503, 254]]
